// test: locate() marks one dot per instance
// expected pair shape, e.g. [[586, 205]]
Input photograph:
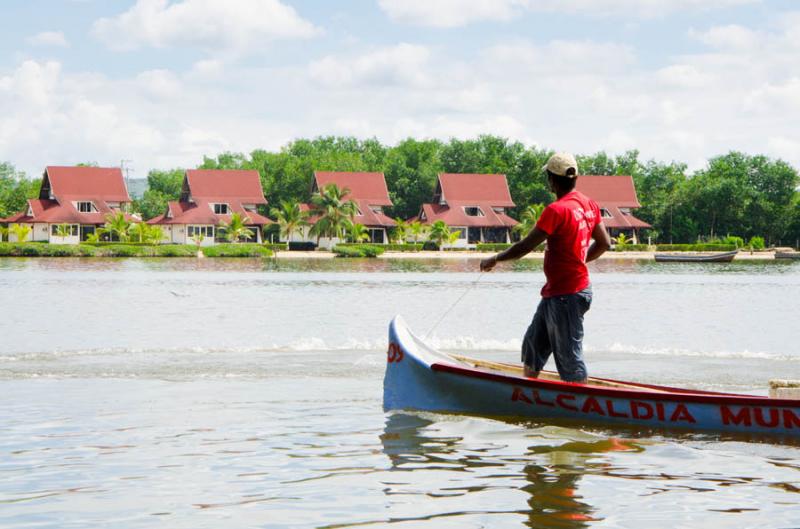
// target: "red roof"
[[487, 188], [368, 217], [69, 185], [98, 183], [615, 190], [453, 214], [458, 191], [612, 192], [204, 187], [218, 185], [369, 187]]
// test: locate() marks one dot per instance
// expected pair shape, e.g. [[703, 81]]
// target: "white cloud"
[[161, 84], [731, 36], [48, 38], [234, 25], [456, 13], [403, 64]]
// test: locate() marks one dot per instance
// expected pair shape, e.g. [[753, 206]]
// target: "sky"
[[161, 83]]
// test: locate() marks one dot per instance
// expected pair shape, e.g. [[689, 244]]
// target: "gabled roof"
[[454, 215], [200, 213], [99, 183], [367, 187], [616, 190], [465, 187], [368, 218], [220, 185], [52, 212], [620, 220]]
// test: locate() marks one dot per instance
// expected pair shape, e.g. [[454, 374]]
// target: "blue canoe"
[[419, 377]]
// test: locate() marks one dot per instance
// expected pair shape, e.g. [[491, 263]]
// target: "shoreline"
[[611, 255]]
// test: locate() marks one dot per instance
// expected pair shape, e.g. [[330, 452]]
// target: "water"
[[185, 393]]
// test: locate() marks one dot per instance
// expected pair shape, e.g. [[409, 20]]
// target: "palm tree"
[[358, 233], [418, 230], [3, 232], [622, 240], [440, 233], [529, 218], [334, 211], [20, 231], [139, 232], [117, 224], [236, 228], [399, 233], [63, 230], [155, 234], [291, 219]]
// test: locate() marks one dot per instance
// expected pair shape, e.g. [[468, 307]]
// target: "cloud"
[[728, 37], [403, 64], [237, 26], [48, 38], [456, 13]]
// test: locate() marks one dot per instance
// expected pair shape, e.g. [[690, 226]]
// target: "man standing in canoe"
[[569, 224]]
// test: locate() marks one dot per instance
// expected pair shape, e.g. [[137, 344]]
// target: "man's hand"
[[488, 263]]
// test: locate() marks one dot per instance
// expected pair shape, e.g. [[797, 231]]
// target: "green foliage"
[[631, 247], [756, 243], [236, 228], [175, 250], [237, 250], [118, 226], [699, 247], [439, 233], [530, 216], [738, 242], [15, 190], [277, 246], [20, 231], [492, 247], [622, 240], [290, 218], [334, 213], [358, 250], [358, 233]]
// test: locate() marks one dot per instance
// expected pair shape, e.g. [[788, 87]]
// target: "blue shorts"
[[557, 328]]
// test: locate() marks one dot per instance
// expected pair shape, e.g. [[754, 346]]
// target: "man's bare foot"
[[530, 373]]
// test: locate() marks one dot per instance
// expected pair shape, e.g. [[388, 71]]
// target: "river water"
[[243, 393]]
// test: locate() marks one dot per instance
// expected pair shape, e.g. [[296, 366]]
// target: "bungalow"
[[368, 191], [78, 198], [473, 204], [208, 198], [616, 196]]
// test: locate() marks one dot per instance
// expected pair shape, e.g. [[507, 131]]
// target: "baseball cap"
[[560, 162]]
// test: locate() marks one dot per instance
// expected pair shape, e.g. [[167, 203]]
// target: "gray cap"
[[560, 162]]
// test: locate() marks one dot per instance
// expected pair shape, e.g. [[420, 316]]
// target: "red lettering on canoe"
[[774, 417], [728, 417], [612, 412], [394, 353], [637, 407], [591, 404], [681, 413], [790, 419], [660, 411], [560, 398], [519, 394]]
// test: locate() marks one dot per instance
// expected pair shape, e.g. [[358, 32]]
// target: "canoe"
[[787, 255], [726, 257], [419, 377]]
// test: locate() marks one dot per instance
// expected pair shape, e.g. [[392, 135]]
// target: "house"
[[208, 199], [76, 198], [616, 196], [473, 204], [368, 191]]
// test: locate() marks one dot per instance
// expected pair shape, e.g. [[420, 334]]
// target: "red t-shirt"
[[568, 222]]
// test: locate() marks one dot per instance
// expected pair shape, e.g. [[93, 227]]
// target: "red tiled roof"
[[484, 188], [367, 218], [200, 213], [616, 190], [217, 185], [453, 215], [85, 183], [369, 187], [51, 212], [620, 220]]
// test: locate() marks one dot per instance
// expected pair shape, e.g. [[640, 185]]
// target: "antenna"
[[123, 165]]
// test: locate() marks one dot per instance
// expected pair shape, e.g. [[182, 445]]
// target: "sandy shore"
[[647, 256]]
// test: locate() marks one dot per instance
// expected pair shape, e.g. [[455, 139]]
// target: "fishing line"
[[466, 291]]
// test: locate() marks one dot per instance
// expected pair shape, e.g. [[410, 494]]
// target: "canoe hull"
[[420, 378], [726, 257]]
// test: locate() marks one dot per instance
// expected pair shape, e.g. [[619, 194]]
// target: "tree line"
[[735, 194]]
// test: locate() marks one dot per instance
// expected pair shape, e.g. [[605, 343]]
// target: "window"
[[72, 230], [85, 207], [376, 209], [605, 213], [462, 232], [221, 209], [499, 210], [473, 211], [205, 231]]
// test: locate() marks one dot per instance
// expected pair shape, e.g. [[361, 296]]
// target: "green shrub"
[[237, 250], [61, 250], [631, 248], [30, 250], [277, 246], [732, 239], [700, 247], [175, 250], [6, 249], [122, 250], [756, 243], [357, 250], [430, 246], [492, 247], [405, 247], [456, 249], [85, 250]]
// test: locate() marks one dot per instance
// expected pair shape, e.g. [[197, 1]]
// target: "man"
[[569, 224]]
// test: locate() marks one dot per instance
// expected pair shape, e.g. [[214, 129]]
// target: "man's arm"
[[602, 242], [523, 247]]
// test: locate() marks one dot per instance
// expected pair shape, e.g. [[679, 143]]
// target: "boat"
[[787, 255], [686, 257], [419, 377]]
